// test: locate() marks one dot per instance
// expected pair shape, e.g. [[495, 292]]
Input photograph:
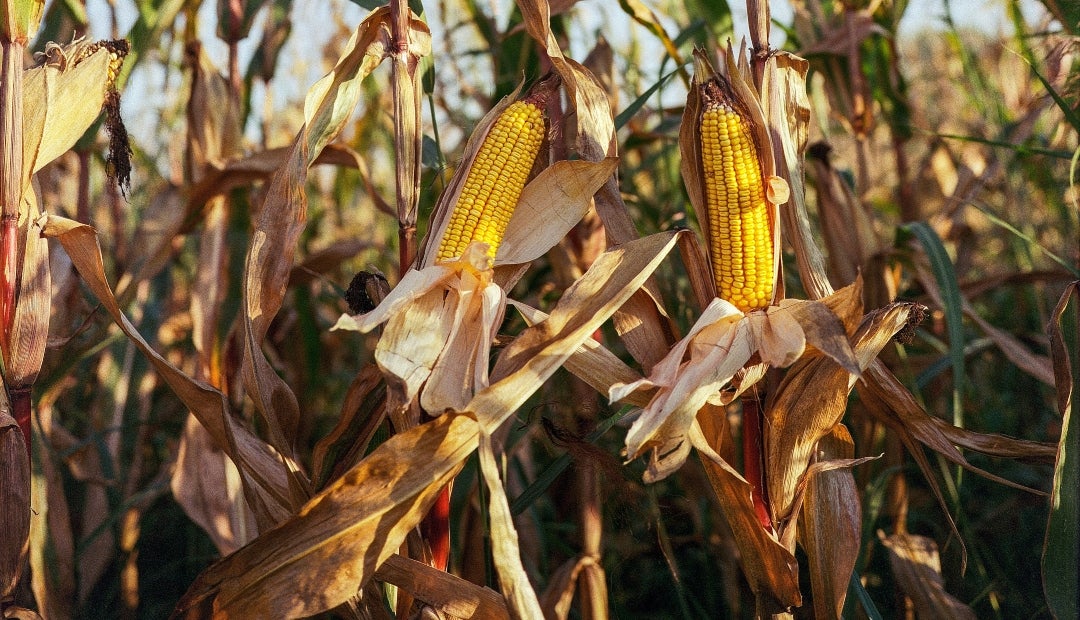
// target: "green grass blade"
[[945, 276], [1061, 551]]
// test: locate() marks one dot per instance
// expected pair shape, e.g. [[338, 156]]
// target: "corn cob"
[[740, 234], [495, 180]]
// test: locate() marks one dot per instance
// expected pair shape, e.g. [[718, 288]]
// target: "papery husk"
[[917, 568], [810, 401], [30, 323], [61, 101], [14, 501], [550, 205], [770, 568], [831, 526]]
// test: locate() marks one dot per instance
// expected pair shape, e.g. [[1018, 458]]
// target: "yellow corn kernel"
[[495, 180], [739, 230]]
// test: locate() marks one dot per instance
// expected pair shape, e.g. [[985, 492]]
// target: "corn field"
[[539, 309]]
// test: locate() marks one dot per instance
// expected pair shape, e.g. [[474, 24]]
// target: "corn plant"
[[753, 350]]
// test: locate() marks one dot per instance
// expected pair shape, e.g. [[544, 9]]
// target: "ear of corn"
[[741, 237], [495, 180]]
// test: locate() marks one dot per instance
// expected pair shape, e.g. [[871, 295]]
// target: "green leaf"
[[1061, 550], [945, 275]]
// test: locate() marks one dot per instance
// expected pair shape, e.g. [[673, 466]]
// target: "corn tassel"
[[740, 232], [495, 180]]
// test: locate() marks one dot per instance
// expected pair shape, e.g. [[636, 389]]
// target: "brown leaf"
[[265, 479], [592, 299], [770, 568], [520, 596], [324, 554], [446, 593], [14, 501], [207, 486], [811, 400], [917, 569], [832, 526]]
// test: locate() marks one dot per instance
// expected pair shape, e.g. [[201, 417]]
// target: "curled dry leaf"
[[265, 481], [811, 400], [832, 525], [917, 568]]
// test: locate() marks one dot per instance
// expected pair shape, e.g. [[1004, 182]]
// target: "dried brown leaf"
[[832, 526], [207, 486], [520, 596], [917, 569], [811, 400], [14, 501], [771, 570], [442, 591], [327, 551], [266, 485]]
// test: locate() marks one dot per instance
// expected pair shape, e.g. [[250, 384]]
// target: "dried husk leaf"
[[832, 526], [719, 344], [321, 556], [30, 325], [514, 582], [61, 100], [442, 591], [462, 367], [770, 568], [266, 486], [811, 400], [787, 115], [917, 568], [558, 596], [14, 501], [549, 206]]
